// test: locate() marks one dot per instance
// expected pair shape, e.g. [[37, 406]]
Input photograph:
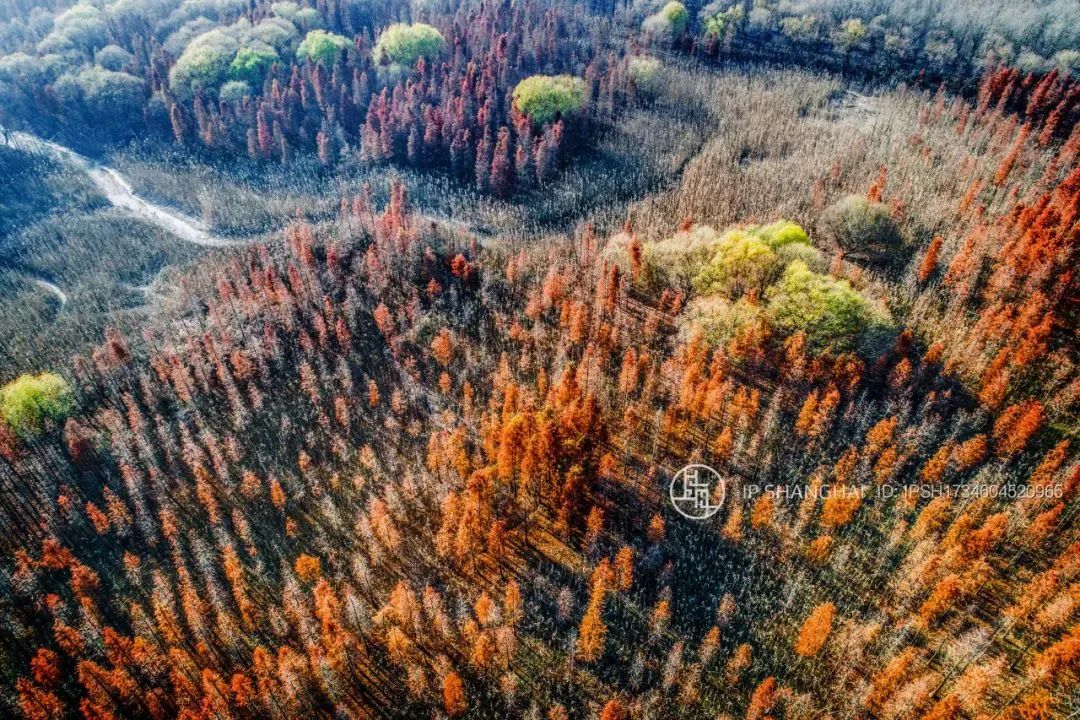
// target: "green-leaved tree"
[[29, 401]]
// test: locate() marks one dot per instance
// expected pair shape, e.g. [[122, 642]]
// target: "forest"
[[354, 355]]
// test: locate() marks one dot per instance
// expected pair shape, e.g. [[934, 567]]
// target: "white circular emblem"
[[697, 492]]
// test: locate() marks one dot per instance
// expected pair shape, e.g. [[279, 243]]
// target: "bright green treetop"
[[28, 401], [645, 72], [829, 311], [675, 13], [204, 63], [252, 62], [740, 262], [781, 233], [851, 33], [322, 46], [405, 44], [544, 97]]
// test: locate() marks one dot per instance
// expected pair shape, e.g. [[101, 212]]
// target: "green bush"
[[29, 401], [251, 63], [20, 69], [307, 18], [234, 91], [322, 46], [829, 311], [286, 10], [645, 73], [405, 44], [543, 98], [780, 234], [675, 261], [675, 13], [718, 22], [805, 27], [731, 263], [863, 229], [1067, 61]]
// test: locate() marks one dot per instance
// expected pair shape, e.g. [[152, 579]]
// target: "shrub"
[[83, 25], [403, 44], [251, 62], [203, 64], [718, 319], [1030, 62], [730, 264], [1068, 61], [805, 27], [863, 229], [29, 401], [670, 22], [178, 41], [113, 57], [234, 91], [111, 95], [675, 13], [717, 21], [20, 69], [645, 73], [276, 32], [322, 46], [829, 311], [677, 260], [286, 10], [851, 33], [307, 18], [805, 253], [545, 98]]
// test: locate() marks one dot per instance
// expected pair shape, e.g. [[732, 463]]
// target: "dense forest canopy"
[[353, 353]]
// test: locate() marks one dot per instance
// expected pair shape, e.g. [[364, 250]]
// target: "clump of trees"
[[103, 95], [241, 80], [29, 402], [760, 275], [82, 28], [547, 98], [953, 45]]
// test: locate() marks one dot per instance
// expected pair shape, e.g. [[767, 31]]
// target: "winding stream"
[[120, 194]]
